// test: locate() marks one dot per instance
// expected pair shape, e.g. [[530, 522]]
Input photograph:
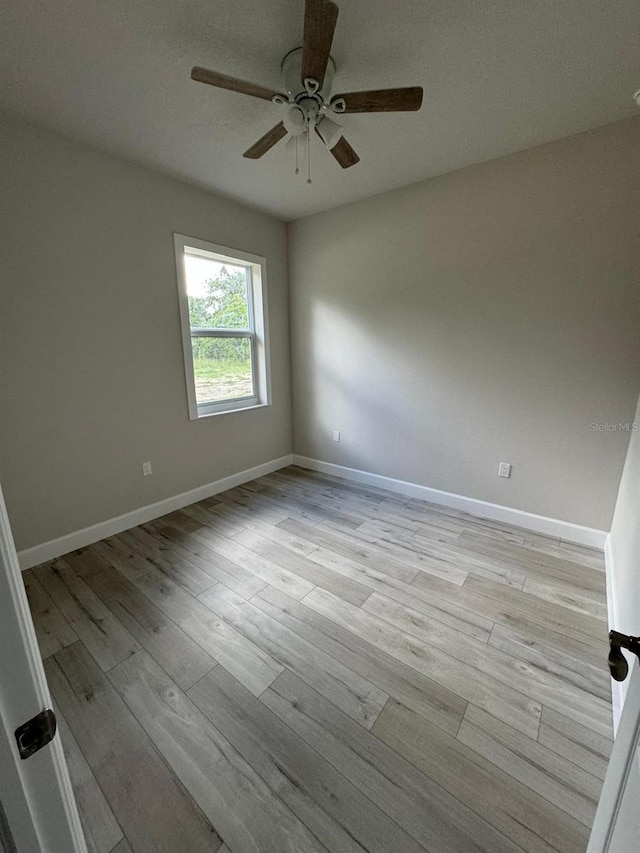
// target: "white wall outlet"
[[147, 470], [336, 435], [504, 469]]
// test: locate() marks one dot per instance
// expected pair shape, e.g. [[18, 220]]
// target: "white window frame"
[[256, 267]]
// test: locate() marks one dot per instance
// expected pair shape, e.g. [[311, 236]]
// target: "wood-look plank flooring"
[[303, 665]]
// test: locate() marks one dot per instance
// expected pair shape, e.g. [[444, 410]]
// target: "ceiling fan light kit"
[[307, 104], [295, 120], [329, 131]]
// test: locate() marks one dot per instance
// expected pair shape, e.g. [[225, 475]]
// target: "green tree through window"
[[222, 366], [224, 305]]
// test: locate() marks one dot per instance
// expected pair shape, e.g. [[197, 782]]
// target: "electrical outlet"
[[147, 470], [336, 435], [504, 469]]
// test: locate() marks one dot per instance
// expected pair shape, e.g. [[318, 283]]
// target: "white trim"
[[40, 807], [618, 688], [555, 527], [79, 538], [615, 785]]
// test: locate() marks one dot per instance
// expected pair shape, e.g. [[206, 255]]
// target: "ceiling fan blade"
[[266, 142], [223, 81], [382, 100], [344, 153], [320, 18]]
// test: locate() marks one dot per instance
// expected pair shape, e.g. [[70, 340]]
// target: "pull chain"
[[297, 167], [308, 156]]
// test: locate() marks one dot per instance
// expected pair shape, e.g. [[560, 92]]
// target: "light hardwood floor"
[[303, 665]]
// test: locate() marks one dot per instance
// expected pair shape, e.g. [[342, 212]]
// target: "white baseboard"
[[554, 527], [79, 538], [618, 688]]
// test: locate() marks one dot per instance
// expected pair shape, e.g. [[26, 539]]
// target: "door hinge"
[[36, 733]]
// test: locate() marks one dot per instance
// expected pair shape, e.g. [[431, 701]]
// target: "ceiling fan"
[[307, 74]]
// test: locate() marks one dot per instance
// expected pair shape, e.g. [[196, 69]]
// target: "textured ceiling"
[[498, 76]]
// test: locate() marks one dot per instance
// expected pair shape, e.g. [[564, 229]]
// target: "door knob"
[[618, 665]]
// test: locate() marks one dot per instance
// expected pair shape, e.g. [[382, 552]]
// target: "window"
[[223, 316]]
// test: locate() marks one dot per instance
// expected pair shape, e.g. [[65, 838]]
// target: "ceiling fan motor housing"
[[292, 78]]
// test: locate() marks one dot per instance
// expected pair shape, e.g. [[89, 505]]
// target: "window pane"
[[222, 369], [217, 293]]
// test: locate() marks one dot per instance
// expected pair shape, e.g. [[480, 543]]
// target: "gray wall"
[[91, 369], [491, 314], [488, 315]]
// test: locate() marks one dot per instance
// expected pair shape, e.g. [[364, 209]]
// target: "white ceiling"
[[498, 76]]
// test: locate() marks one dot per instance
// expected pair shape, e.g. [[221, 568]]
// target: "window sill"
[[235, 411]]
